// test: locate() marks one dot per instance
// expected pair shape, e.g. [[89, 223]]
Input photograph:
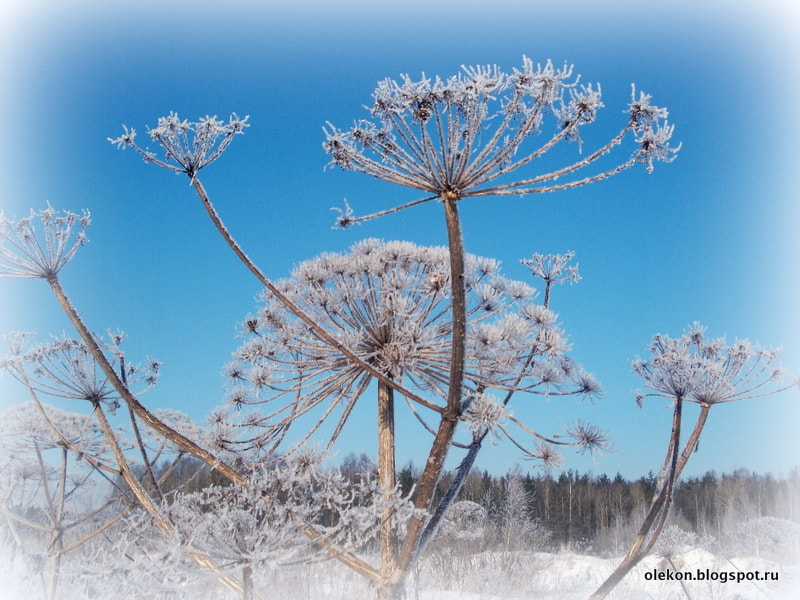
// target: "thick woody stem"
[[387, 477], [449, 420]]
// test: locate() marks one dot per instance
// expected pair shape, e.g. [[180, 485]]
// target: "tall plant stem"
[[659, 508], [387, 480], [449, 420]]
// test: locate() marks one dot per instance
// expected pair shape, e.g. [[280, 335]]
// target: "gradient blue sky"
[[712, 237]]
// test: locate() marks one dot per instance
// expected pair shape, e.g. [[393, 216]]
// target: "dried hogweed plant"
[[706, 372], [465, 136], [460, 137], [25, 252], [389, 303], [95, 371], [67, 369]]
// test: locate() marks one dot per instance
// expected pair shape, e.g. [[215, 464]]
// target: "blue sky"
[[711, 237]]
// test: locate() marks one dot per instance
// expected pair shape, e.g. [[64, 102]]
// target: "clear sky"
[[712, 237]]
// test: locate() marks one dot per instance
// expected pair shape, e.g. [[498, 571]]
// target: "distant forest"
[[733, 513], [583, 511]]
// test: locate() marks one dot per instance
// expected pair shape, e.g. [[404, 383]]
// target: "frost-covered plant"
[[48, 459], [707, 372], [514, 532], [132, 562], [389, 304], [465, 521], [457, 136], [96, 371], [452, 139], [767, 537], [255, 526], [248, 530], [26, 253], [192, 146], [515, 527], [469, 135], [188, 147], [65, 368], [486, 414], [673, 542], [552, 268]]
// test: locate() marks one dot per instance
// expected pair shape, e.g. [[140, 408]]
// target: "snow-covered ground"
[[489, 576], [568, 576]]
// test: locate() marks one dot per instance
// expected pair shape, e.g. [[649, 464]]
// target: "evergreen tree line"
[[740, 512], [584, 511]]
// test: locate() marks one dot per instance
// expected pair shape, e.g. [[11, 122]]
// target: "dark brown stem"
[[447, 425]]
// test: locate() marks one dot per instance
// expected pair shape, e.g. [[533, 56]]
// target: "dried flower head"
[[188, 147], [589, 438], [65, 368], [552, 268], [24, 252], [23, 428], [708, 371], [454, 137], [484, 414], [389, 303]]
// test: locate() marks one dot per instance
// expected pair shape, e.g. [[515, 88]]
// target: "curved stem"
[[659, 510], [184, 443], [291, 306]]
